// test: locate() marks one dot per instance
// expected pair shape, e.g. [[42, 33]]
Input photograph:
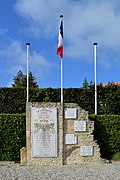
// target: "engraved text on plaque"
[[44, 132]]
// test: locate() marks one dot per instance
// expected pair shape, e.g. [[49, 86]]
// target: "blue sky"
[[37, 22]]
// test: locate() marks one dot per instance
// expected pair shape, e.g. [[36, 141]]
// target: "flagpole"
[[95, 47], [61, 24], [60, 53], [61, 81], [27, 45]]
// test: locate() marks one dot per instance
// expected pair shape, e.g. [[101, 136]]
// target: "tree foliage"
[[85, 84], [20, 80]]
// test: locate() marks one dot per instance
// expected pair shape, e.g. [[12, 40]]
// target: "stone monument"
[[58, 134]]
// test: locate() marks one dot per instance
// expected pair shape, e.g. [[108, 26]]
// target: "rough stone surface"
[[66, 153]]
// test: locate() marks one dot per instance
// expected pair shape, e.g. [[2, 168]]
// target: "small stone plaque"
[[80, 125], [70, 113], [71, 139], [44, 132], [86, 150]]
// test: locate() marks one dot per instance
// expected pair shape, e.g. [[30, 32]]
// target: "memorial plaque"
[[71, 139], [44, 132], [86, 150], [70, 113], [80, 125]]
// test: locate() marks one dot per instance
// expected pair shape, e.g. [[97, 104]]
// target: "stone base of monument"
[[58, 134], [23, 156]]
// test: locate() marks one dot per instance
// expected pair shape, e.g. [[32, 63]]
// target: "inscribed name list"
[[44, 132]]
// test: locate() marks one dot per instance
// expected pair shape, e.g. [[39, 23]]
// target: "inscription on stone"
[[71, 139], [70, 113], [44, 132], [86, 150], [80, 125]]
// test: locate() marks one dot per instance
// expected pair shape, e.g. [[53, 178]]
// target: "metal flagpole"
[[95, 47], [27, 45], [61, 81], [60, 53], [61, 32]]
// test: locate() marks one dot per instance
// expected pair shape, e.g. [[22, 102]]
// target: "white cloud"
[[40, 64], [40, 14], [15, 55], [85, 22]]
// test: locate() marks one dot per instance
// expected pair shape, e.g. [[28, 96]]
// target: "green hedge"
[[12, 135], [107, 133], [13, 100], [109, 99]]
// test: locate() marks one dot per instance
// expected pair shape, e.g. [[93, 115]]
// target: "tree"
[[20, 80], [91, 85], [32, 82], [85, 84]]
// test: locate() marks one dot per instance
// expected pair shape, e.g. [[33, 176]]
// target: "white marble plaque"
[[86, 150], [71, 139], [44, 132], [80, 125], [70, 113]]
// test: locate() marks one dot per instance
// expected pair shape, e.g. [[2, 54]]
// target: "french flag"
[[60, 38]]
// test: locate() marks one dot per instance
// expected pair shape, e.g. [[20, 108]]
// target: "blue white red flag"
[[60, 38]]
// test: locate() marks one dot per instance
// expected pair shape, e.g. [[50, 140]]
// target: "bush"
[[12, 100], [107, 134], [12, 135]]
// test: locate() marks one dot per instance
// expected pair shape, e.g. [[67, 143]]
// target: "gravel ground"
[[13, 171]]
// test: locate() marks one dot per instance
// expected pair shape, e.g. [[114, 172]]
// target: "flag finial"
[[94, 43], [61, 16], [28, 44]]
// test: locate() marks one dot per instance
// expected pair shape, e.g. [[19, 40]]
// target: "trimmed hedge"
[[13, 100], [107, 133], [12, 135], [109, 99]]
